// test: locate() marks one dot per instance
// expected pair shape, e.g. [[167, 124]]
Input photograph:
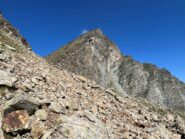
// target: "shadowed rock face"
[[94, 56]]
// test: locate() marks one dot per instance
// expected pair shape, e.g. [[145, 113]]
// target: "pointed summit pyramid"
[[92, 55], [96, 57], [96, 31]]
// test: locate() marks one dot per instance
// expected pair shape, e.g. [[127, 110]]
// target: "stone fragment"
[[118, 98], [110, 92], [55, 107], [66, 104], [170, 117], [3, 57], [10, 47], [41, 114], [37, 129], [89, 116], [6, 78], [155, 118], [27, 85], [8, 96], [16, 120], [144, 135], [126, 135], [35, 80], [53, 120], [81, 78], [94, 86]]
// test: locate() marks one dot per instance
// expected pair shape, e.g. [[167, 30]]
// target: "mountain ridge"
[[8, 32], [100, 60]]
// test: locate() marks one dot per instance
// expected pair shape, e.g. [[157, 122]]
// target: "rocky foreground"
[[38, 100]]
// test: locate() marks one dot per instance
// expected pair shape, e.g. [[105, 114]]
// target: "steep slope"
[[94, 56], [38, 100], [11, 36]]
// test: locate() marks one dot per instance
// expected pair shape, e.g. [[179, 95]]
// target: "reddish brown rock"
[[16, 120]]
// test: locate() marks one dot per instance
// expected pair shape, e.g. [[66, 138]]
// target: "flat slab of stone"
[[6, 78]]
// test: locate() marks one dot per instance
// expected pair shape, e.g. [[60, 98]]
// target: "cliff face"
[[94, 56], [156, 85]]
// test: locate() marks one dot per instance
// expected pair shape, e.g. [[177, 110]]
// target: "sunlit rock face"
[[96, 57], [91, 55]]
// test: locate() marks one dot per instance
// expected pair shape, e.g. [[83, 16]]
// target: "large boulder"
[[7, 78]]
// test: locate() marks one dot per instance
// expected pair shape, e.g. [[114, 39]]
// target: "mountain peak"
[[94, 37], [93, 33], [96, 31]]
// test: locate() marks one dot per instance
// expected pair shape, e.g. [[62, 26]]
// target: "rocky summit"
[[96, 57], [40, 101]]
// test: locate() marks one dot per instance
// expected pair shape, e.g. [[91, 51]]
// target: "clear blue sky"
[[149, 30]]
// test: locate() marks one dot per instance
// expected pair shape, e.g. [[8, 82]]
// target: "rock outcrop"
[[94, 56], [10, 36]]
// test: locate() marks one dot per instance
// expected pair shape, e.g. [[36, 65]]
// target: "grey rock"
[[10, 47], [89, 116], [110, 92], [77, 128], [8, 96], [6, 78], [3, 57], [55, 107], [41, 114], [35, 80]]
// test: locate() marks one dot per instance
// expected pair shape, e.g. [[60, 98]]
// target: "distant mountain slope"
[[94, 56]]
